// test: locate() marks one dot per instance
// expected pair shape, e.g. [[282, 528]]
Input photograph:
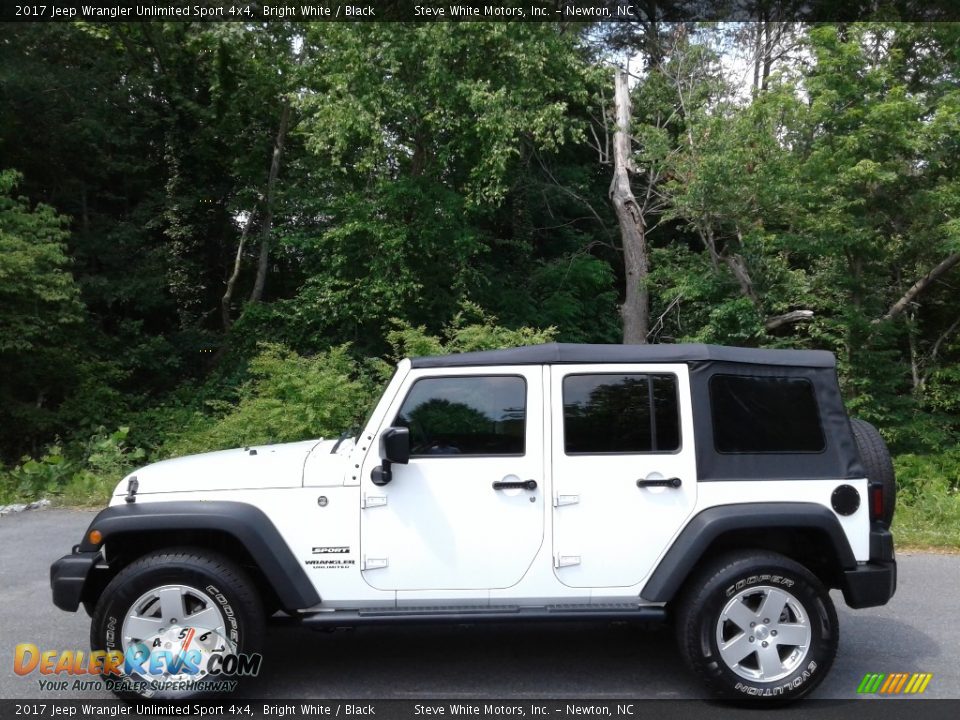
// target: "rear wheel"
[[757, 625], [169, 613]]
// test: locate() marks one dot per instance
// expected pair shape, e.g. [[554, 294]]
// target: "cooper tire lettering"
[[754, 580]]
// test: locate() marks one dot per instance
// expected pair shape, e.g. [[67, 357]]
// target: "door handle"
[[514, 484], [673, 482]]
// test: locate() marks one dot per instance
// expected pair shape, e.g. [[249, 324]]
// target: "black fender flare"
[[247, 524], [708, 525]]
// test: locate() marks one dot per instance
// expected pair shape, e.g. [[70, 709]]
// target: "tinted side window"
[[764, 415], [465, 416], [620, 414]]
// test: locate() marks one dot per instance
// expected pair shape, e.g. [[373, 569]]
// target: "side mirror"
[[394, 448], [395, 445]]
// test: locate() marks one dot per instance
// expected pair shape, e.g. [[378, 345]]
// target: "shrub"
[[84, 477], [471, 329], [289, 397]]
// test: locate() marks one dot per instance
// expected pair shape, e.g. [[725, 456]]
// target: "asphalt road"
[[919, 631]]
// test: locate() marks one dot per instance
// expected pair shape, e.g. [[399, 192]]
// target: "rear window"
[[764, 415]]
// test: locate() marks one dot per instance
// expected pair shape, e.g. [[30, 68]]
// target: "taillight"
[[876, 501]]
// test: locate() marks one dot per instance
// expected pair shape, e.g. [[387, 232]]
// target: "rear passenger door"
[[611, 428]]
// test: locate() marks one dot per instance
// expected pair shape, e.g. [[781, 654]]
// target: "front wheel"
[[757, 625], [182, 620]]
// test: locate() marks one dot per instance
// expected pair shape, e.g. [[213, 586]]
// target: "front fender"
[[246, 524]]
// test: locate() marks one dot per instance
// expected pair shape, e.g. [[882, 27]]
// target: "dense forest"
[[221, 234]]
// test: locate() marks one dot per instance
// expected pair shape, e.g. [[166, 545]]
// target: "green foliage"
[[426, 135], [448, 170], [84, 479], [40, 309], [928, 500], [575, 294], [289, 397], [36, 290], [107, 459], [918, 475], [38, 478], [471, 329]]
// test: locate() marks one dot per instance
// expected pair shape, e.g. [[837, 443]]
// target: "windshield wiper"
[[343, 436]]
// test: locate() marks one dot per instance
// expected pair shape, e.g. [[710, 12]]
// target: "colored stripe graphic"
[[894, 683], [891, 681], [914, 682], [870, 683]]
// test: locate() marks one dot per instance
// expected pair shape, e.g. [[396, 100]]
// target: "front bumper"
[[68, 575], [872, 583]]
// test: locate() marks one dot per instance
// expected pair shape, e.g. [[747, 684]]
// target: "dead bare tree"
[[635, 310], [634, 211]]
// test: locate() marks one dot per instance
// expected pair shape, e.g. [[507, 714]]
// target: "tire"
[[731, 591], [877, 463], [216, 600]]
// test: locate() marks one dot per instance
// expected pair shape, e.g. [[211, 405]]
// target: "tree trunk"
[[232, 281], [738, 267], [794, 316], [757, 28], [914, 355], [919, 286], [635, 310], [768, 45], [263, 262]]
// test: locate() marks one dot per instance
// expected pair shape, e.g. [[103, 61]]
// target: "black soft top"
[[560, 353], [838, 459]]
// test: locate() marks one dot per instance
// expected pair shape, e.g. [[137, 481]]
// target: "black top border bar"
[[561, 11]]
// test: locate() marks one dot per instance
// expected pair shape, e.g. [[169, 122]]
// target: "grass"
[[89, 491], [928, 501], [931, 522]]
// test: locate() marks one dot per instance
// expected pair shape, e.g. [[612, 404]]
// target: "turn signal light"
[[95, 537]]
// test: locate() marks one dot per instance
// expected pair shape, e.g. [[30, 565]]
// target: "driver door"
[[445, 521]]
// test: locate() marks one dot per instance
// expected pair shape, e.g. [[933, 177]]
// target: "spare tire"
[[877, 463]]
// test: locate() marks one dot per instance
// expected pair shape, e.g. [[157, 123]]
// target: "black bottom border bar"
[[485, 709]]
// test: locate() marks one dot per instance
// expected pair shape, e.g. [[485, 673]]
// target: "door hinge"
[[370, 501], [370, 563], [560, 561], [559, 500]]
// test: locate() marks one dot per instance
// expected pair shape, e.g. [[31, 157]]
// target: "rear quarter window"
[[765, 415]]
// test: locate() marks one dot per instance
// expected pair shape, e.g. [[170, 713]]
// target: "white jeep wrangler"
[[722, 489]]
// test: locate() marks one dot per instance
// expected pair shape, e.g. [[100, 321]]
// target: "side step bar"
[[460, 616]]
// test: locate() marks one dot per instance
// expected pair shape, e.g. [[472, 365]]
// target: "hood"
[[256, 467]]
